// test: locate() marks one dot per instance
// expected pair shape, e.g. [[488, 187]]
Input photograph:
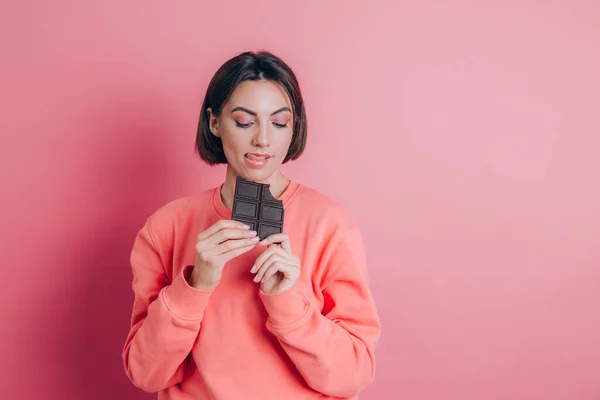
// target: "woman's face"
[[256, 129]]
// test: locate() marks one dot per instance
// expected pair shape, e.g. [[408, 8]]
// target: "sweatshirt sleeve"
[[333, 349], [165, 319]]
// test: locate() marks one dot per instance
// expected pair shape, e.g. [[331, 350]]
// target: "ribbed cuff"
[[285, 308], [183, 300]]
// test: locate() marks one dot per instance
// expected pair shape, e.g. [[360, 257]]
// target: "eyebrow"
[[239, 108]]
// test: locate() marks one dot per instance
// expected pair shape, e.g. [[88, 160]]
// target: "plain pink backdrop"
[[464, 136]]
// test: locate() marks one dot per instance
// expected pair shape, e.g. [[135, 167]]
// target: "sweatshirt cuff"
[[183, 300], [285, 308]]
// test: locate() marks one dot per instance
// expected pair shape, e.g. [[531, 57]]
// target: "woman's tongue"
[[255, 157], [256, 160]]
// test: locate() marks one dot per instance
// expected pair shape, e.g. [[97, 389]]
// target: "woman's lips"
[[257, 160]]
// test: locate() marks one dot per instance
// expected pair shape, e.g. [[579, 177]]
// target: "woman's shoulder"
[[178, 210], [179, 205], [316, 204]]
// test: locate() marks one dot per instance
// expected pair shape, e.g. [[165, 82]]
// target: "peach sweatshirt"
[[314, 341]]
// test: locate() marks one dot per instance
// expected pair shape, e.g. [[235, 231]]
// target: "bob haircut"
[[249, 66]]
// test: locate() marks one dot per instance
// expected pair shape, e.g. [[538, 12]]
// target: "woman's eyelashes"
[[248, 124], [241, 125]]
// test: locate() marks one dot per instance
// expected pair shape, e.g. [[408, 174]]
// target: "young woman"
[[220, 315]]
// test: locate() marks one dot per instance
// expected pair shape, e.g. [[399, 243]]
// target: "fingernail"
[[263, 241], [256, 278], [253, 233], [253, 268], [254, 240], [246, 226]]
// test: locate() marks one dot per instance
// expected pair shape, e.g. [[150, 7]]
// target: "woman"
[[218, 314]]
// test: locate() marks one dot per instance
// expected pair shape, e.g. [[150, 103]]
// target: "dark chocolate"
[[255, 206]]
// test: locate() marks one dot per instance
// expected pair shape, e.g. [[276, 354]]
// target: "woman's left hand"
[[277, 269]]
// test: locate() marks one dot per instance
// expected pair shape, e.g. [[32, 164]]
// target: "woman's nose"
[[261, 137]]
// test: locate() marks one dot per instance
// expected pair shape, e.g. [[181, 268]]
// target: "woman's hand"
[[277, 269], [217, 245]]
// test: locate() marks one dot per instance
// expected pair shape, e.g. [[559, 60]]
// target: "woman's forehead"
[[259, 96]]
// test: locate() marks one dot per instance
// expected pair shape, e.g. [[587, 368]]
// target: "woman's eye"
[[246, 125]]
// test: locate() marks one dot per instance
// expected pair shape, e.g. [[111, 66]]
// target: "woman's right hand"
[[220, 243]]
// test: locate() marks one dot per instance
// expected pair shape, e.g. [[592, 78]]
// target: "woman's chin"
[[255, 175]]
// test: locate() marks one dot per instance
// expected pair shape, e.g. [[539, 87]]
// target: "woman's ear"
[[213, 122]]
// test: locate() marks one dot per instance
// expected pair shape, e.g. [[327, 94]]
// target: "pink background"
[[464, 137]]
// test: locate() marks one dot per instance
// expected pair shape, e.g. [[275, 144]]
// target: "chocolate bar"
[[255, 206]]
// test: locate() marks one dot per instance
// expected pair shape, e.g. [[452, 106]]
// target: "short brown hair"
[[249, 66]]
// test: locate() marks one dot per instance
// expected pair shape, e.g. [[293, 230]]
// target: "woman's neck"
[[278, 183]]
